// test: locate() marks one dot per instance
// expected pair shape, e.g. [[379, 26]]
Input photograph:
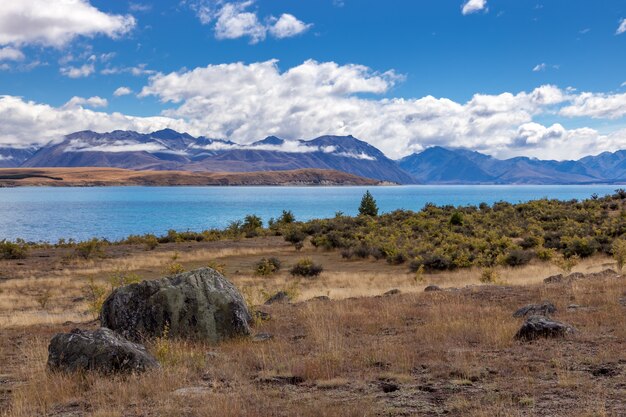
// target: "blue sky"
[[539, 78]]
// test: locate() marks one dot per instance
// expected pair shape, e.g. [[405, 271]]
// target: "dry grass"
[[447, 352]]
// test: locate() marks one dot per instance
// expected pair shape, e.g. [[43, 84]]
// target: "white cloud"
[[28, 123], [234, 20], [77, 145], [622, 27], [245, 102], [57, 22], [78, 72], [539, 67], [94, 101], [473, 6], [137, 71], [287, 26], [122, 91], [596, 105], [11, 54]]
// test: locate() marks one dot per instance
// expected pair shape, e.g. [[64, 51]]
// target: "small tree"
[[368, 205], [619, 253]]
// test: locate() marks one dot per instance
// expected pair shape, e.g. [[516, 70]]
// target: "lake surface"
[[51, 213]]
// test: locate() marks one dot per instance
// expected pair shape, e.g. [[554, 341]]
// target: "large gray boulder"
[[99, 350], [537, 327], [200, 304]]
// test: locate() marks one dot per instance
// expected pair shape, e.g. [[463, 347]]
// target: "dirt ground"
[[360, 353]]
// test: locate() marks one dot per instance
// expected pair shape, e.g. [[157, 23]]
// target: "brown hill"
[[91, 177]]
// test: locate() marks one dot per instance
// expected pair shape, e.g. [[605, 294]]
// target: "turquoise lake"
[[51, 213]]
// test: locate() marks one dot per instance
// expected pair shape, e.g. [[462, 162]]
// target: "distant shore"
[[102, 177]]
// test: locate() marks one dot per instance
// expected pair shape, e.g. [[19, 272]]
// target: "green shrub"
[[90, 248], [489, 276], [267, 266], [306, 268], [518, 257], [10, 250]]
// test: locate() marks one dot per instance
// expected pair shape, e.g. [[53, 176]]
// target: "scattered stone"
[[192, 391], [394, 291], [262, 337], [78, 299], [213, 355], [320, 298], [279, 297], [281, 380], [573, 306], [536, 327], [605, 370], [432, 288], [261, 315], [200, 304], [99, 350], [544, 309], [388, 387], [555, 279]]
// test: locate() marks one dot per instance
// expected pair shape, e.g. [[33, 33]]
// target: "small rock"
[[554, 279], [190, 391], [394, 291], [281, 380], [213, 355], [262, 337], [261, 315], [544, 309], [320, 298], [99, 350], [387, 386], [432, 288], [605, 370], [279, 297], [536, 327]]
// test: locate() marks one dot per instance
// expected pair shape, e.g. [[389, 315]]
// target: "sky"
[[540, 78]]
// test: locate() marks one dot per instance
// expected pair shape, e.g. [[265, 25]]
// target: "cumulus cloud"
[[473, 6], [596, 105], [94, 101], [234, 20], [57, 22], [245, 102], [11, 54], [287, 26], [78, 72], [28, 123], [122, 91], [621, 28]]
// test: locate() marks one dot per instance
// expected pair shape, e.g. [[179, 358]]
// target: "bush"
[[252, 225], [90, 248], [295, 236], [436, 262], [518, 257], [267, 266], [489, 276], [306, 268], [10, 250]]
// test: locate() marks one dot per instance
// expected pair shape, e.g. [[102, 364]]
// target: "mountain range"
[[170, 150]]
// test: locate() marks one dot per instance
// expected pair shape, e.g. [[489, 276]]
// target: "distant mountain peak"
[[270, 140]]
